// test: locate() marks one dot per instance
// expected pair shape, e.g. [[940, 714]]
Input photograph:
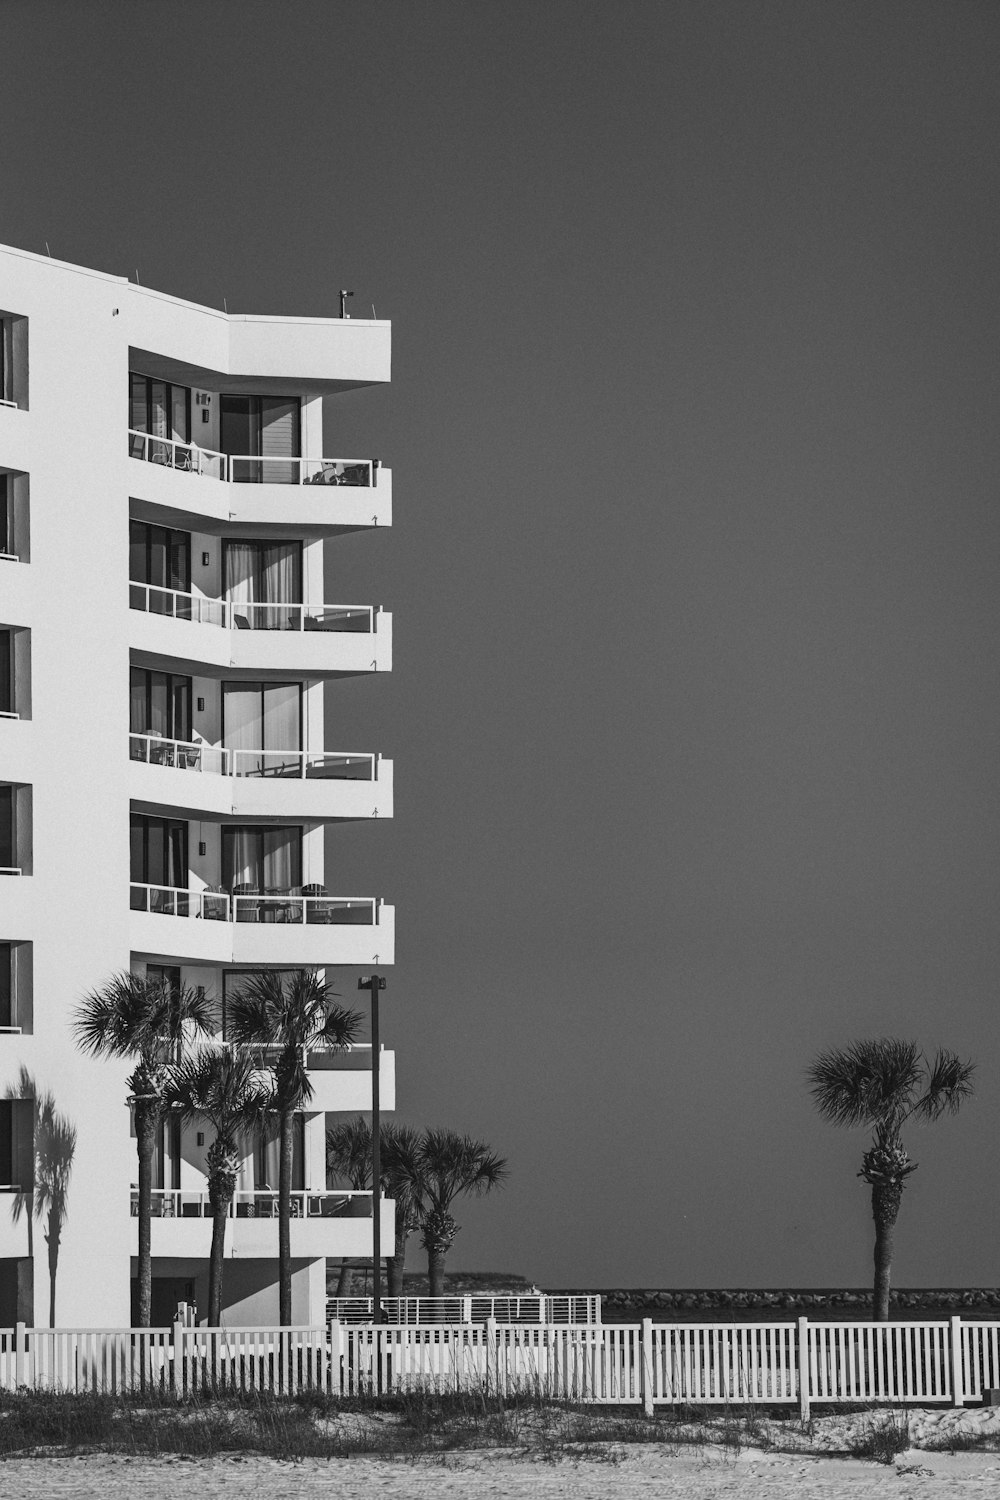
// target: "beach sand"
[[607, 1471]]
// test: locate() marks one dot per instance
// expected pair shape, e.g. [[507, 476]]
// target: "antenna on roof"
[[47, 250], [137, 275], [343, 303], [225, 307], [374, 319]]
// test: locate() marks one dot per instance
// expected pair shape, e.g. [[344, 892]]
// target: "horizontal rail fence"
[[248, 468], [637, 1364], [534, 1308]]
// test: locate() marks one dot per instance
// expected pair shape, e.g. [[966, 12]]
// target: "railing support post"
[[493, 1359], [957, 1377], [803, 1369], [646, 1364], [20, 1344]]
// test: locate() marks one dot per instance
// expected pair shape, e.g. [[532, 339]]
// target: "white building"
[[165, 649]]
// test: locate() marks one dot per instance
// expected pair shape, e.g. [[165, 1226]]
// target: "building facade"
[[166, 655]]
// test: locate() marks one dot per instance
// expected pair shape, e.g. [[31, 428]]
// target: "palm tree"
[[285, 1018], [401, 1180], [223, 1085], [146, 1019], [881, 1084], [450, 1166], [349, 1155]]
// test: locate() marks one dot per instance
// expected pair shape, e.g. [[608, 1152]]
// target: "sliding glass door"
[[162, 558], [263, 433], [161, 409], [159, 705], [262, 725], [159, 852], [262, 576], [262, 861]]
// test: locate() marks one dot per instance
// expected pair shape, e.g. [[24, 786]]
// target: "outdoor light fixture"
[[201, 705], [205, 555]]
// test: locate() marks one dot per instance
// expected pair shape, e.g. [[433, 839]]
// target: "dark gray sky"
[[694, 573]]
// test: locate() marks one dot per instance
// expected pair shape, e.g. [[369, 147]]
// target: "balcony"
[[342, 1081], [323, 1223], [193, 779], [284, 929], [331, 494], [196, 633]]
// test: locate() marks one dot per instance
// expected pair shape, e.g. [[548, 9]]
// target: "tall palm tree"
[[283, 1018], [401, 1179], [349, 1155], [143, 1018], [223, 1085], [881, 1084], [450, 1166]]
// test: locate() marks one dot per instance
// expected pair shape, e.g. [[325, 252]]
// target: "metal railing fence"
[[248, 468]]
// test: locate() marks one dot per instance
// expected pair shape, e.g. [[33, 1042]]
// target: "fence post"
[[20, 1339], [646, 1364], [336, 1385], [803, 1369], [492, 1353], [466, 1309], [957, 1379]]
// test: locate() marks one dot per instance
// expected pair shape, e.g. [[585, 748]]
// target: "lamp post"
[[375, 982]]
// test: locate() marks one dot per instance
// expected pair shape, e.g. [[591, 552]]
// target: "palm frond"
[[135, 1015], [223, 1085], [349, 1152], [949, 1082], [869, 1082]]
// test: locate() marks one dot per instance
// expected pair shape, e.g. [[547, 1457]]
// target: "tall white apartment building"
[[166, 653]]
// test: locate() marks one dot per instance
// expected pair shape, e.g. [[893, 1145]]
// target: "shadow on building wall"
[[42, 1152]]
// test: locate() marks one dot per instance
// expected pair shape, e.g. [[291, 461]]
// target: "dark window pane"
[[6, 671], [6, 984], [7, 827], [6, 1142], [137, 414]]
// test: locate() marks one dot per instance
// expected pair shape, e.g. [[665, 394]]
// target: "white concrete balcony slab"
[[264, 931], [190, 632], [206, 490], [342, 1081], [194, 780], [15, 438], [323, 1223]]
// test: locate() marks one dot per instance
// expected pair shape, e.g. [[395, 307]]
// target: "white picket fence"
[[639, 1364], [530, 1307]]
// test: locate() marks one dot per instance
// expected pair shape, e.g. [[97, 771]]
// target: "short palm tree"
[[142, 1018], [349, 1155], [880, 1084], [450, 1165], [283, 1018], [223, 1085]]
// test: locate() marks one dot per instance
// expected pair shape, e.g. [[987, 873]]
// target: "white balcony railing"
[[247, 468], [10, 869], [315, 908], [302, 765], [173, 455], [262, 1203], [176, 604]]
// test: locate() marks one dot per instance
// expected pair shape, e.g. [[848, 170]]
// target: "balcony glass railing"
[[183, 1203], [248, 469], [177, 605], [301, 765], [308, 905]]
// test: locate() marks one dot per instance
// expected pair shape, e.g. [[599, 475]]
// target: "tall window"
[[6, 671], [262, 431], [7, 1008], [264, 718], [6, 518], [8, 841], [167, 1154], [265, 574], [158, 556], [264, 860], [159, 852], [159, 408], [267, 1157], [159, 704]]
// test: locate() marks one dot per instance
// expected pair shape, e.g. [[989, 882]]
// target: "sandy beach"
[[811, 1465], [623, 1474]]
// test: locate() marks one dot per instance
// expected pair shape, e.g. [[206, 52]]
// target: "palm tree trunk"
[[396, 1264], [52, 1240], [886, 1198], [147, 1116], [285, 1218], [435, 1272], [221, 1187]]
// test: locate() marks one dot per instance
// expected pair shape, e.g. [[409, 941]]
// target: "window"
[[159, 704], [8, 840], [15, 987], [262, 860], [159, 408], [265, 432], [13, 360], [14, 541], [17, 1129], [266, 1157], [160, 557], [159, 852], [6, 518], [262, 722], [265, 574], [167, 1154], [6, 671]]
